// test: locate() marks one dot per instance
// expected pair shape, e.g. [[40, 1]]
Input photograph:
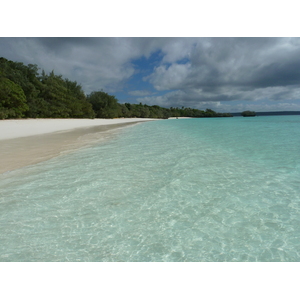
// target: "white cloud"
[[177, 49], [168, 78]]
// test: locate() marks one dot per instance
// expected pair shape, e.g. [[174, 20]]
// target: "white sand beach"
[[29, 141], [10, 129]]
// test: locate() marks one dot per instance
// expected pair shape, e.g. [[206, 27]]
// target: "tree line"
[[24, 93]]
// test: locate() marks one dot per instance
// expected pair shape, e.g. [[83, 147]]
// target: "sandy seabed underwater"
[[220, 189]]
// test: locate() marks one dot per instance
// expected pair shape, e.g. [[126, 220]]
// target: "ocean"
[[180, 190]]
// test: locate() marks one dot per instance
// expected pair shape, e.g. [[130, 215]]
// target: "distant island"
[[270, 113], [248, 113], [24, 93]]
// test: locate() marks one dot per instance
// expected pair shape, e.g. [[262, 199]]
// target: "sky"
[[225, 74]]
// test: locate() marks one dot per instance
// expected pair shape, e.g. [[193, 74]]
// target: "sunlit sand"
[[29, 141]]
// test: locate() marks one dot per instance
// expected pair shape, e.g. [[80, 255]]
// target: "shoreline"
[[16, 128], [30, 141]]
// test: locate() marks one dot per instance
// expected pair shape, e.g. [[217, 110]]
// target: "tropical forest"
[[25, 93]]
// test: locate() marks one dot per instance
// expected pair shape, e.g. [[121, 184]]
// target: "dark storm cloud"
[[229, 69], [277, 74], [235, 62]]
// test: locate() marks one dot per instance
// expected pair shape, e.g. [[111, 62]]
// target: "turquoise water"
[[224, 189]]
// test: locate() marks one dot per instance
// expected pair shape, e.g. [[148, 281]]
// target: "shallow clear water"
[[224, 189]]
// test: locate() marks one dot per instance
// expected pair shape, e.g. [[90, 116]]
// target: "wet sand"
[[19, 152]]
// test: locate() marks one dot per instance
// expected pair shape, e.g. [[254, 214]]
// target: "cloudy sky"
[[224, 74]]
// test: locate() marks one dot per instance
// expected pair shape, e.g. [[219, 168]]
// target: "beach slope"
[[29, 141]]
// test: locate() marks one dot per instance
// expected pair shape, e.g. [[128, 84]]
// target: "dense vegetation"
[[248, 113], [24, 93]]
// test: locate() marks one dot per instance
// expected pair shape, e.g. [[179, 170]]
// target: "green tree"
[[210, 113], [104, 105], [124, 111], [80, 107], [25, 77], [12, 100], [54, 92], [248, 113]]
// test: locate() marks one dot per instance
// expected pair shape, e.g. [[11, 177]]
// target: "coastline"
[[30, 141]]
